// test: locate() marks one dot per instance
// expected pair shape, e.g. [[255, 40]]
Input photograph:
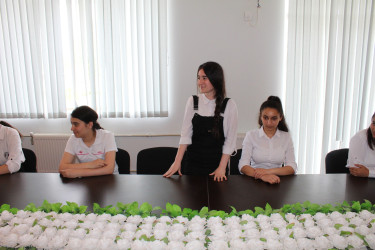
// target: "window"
[[57, 55], [330, 90]]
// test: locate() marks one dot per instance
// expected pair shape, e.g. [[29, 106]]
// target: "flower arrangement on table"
[[130, 226]]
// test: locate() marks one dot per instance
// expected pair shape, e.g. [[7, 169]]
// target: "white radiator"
[[49, 149]]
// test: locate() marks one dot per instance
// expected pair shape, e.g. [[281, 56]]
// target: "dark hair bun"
[[274, 99]]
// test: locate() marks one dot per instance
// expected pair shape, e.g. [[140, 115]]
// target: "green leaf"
[[337, 226], [268, 209], [31, 207], [263, 239], [46, 207], [356, 206], [366, 205], [97, 209], [203, 212], [56, 207], [145, 208], [345, 233], [290, 226], [82, 209]]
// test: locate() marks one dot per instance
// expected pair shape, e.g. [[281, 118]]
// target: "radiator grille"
[[49, 149]]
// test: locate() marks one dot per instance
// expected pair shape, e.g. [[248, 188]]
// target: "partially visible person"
[[361, 159], [11, 154], [94, 147], [268, 152], [209, 129]]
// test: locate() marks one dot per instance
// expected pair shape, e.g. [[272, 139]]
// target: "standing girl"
[[209, 129], [94, 147]]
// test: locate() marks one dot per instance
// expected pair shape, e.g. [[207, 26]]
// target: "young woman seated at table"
[[209, 129], [11, 155], [361, 159], [94, 147], [268, 152]]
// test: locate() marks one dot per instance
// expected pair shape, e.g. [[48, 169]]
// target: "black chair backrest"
[[123, 161], [234, 160], [336, 161], [29, 165], [155, 160]]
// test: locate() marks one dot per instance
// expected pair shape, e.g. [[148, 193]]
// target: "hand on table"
[[259, 172], [173, 169], [359, 171], [98, 163], [219, 175], [271, 178]]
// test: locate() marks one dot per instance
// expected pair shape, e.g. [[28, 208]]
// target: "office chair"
[[155, 161], [336, 161], [29, 165], [233, 164], [123, 161]]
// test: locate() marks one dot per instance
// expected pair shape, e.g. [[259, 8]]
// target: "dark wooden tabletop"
[[194, 192]]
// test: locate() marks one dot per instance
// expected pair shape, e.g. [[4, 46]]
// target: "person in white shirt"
[[11, 154], [268, 152], [209, 129], [361, 159], [94, 147]]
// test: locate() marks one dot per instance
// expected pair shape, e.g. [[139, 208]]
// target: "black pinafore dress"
[[204, 153]]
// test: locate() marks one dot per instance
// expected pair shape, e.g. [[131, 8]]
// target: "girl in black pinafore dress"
[[209, 129]]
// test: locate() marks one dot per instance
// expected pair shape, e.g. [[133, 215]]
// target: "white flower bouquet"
[[129, 226]]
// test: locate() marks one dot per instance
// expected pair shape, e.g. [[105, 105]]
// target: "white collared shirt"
[[104, 142], [361, 153], [206, 107], [11, 152], [260, 151]]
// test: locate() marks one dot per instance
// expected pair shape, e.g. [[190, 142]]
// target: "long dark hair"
[[87, 115], [10, 126], [275, 103], [215, 74], [370, 138]]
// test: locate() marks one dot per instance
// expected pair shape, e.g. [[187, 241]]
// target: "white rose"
[[196, 227], [79, 217], [264, 225], [135, 219], [255, 244], [71, 224], [276, 216], [141, 232], [355, 241], [364, 214], [91, 217], [29, 221], [323, 223], [237, 244], [362, 229], [290, 217], [118, 218], [252, 233], [319, 216], [90, 243], [197, 219], [217, 227], [65, 233], [195, 235], [138, 244], [370, 239], [234, 234], [182, 219], [79, 233], [278, 223], [304, 243], [103, 217], [323, 242], [99, 225], [214, 221], [57, 242], [110, 234], [38, 215], [129, 227], [335, 215], [290, 243], [41, 242], [309, 223], [330, 230], [247, 217], [298, 232], [160, 234], [127, 235], [165, 219], [26, 240], [218, 245], [339, 241], [22, 214], [284, 233], [350, 215], [20, 229], [106, 244], [149, 220], [306, 216], [176, 236], [112, 226], [57, 223], [123, 244], [65, 216], [157, 245], [217, 235], [195, 245], [95, 233], [173, 245], [356, 221], [249, 225], [269, 234], [10, 240], [313, 232], [262, 218], [74, 243], [341, 221], [35, 230], [273, 244], [45, 222], [15, 220], [178, 227], [161, 226], [50, 232], [146, 227]]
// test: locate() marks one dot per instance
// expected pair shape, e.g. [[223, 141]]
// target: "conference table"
[[195, 192]]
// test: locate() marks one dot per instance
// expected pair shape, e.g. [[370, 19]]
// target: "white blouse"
[[361, 153], [104, 142], [206, 107], [11, 152], [260, 151]]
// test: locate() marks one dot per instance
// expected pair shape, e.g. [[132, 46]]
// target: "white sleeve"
[[357, 150], [230, 127], [247, 152], [187, 126], [70, 145], [16, 156], [110, 142], [290, 159]]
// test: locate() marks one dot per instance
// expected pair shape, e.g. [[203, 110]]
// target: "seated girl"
[[94, 147], [361, 159], [11, 155], [268, 152]]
